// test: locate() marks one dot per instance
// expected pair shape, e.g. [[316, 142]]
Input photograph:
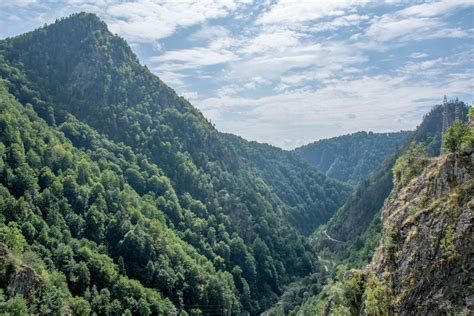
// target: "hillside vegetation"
[[118, 187], [352, 158]]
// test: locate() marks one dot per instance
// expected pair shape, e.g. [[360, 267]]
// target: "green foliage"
[[343, 297], [377, 298], [311, 197], [410, 164], [357, 221], [363, 206], [459, 137], [121, 185], [389, 242], [15, 306], [351, 158], [12, 236], [447, 243], [470, 113]]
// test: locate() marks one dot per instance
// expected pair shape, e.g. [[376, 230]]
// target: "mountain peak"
[[85, 20]]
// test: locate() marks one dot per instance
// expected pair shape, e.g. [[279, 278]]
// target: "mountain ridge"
[[159, 152], [352, 157]]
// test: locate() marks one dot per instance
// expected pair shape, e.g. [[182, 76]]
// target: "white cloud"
[[195, 57], [271, 40], [341, 21], [315, 61], [292, 118], [19, 3], [418, 22], [171, 78], [390, 27], [146, 20], [296, 12], [417, 55], [207, 32], [289, 72], [439, 8]]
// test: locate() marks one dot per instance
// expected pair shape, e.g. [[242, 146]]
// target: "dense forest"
[[114, 178], [312, 197], [351, 158], [118, 197]]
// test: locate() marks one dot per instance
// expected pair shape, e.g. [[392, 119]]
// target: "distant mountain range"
[[118, 197], [351, 158]]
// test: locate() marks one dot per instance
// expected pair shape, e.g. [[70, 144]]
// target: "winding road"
[[330, 238]]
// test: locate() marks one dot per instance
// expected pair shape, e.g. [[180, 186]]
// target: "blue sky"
[[290, 72]]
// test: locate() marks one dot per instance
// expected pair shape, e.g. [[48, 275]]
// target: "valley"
[[119, 197]]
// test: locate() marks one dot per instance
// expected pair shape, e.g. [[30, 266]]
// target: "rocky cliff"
[[16, 277], [425, 261]]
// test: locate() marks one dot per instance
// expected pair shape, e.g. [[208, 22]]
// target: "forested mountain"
[[312, 198], [351, 158], [422, 233], [423, 264], [118, 196], [364, 204]]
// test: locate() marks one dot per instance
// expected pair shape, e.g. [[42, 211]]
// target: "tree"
[[11, 235], [459, 137], [80, 306], [94, 226], [15, 306]]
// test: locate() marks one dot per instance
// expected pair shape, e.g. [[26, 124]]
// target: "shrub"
[[410, 164], [377, 297], [458, 138]]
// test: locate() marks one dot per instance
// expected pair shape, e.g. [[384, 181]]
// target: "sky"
[[290, 72]]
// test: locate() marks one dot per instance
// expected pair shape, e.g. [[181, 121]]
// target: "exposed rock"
[[25, 281], [426, 255], [20, 279]]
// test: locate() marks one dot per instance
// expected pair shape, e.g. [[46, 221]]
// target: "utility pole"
[[457, 112], [445, 116], [445, 121]]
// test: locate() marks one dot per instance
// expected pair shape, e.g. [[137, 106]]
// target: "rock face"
[[426, 256], [19, 278]]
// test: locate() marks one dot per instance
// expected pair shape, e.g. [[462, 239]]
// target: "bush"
[[377, 297], [458, 138], [410, 164]]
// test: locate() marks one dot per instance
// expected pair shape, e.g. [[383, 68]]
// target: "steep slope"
[[425, 258], [86, 83], [351, 158], [312, 198], [58, 206], [423, 264], [363, 206]]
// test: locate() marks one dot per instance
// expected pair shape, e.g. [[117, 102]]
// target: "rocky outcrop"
[[19, 278], [426, 256]]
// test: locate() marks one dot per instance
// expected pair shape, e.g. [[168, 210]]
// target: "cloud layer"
[[291, 72]]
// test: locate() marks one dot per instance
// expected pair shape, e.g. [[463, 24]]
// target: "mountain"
[[363, 206], [428, 223], [351, 158], [118, 196], [423, 265], [423, 261], [312, 197]]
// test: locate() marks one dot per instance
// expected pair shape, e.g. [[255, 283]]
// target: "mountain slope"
[[58, 206], [365, 203], [87, 85], [312, 198], [351, 158], [429, 224], [423, 264]]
